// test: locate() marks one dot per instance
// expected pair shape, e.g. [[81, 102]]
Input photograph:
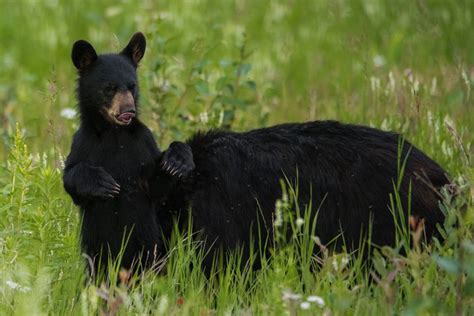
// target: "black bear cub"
[[114, 165], [343, 173]]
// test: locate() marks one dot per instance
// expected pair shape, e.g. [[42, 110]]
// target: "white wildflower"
[[305, 305], [316, 299], [287, 295], [68, 113], [18, 287], [379, 61], [204, 117], [12, 285], [345, 260], [299, 222]]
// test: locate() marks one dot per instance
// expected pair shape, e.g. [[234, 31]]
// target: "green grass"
[[401, 65]]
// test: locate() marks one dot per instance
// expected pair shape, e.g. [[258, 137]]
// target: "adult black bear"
[[114, 162], [348, 172]]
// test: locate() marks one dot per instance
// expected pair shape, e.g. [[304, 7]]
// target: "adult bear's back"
[[348, 172]]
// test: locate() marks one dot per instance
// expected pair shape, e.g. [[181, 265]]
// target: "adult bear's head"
[[107, 86]]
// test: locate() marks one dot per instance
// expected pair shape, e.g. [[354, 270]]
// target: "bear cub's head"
[[107, 85]]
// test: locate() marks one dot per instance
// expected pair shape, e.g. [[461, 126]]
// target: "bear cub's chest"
[[126, 159]]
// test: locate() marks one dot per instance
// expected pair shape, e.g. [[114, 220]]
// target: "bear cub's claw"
[[105, 185], [178, 160]]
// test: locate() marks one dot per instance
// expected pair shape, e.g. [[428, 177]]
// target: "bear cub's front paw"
[[103, 185], [178, 159]]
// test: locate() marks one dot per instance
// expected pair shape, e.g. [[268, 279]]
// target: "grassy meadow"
[[402, 65]]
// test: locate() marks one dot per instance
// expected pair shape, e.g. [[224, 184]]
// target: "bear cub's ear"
[[135, 48], [83, 54]]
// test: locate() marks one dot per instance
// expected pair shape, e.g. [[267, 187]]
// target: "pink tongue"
[[127, 116]]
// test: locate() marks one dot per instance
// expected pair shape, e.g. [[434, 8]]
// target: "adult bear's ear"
[[83, 54], [135, 48]]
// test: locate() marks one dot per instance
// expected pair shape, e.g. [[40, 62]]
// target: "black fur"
[[113, 167], [348, 170], [121, 181]]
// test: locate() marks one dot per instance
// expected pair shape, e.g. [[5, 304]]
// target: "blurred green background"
[[358, 61]]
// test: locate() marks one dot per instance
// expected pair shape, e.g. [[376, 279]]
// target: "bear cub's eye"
[[131, 86], [110, 90]]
